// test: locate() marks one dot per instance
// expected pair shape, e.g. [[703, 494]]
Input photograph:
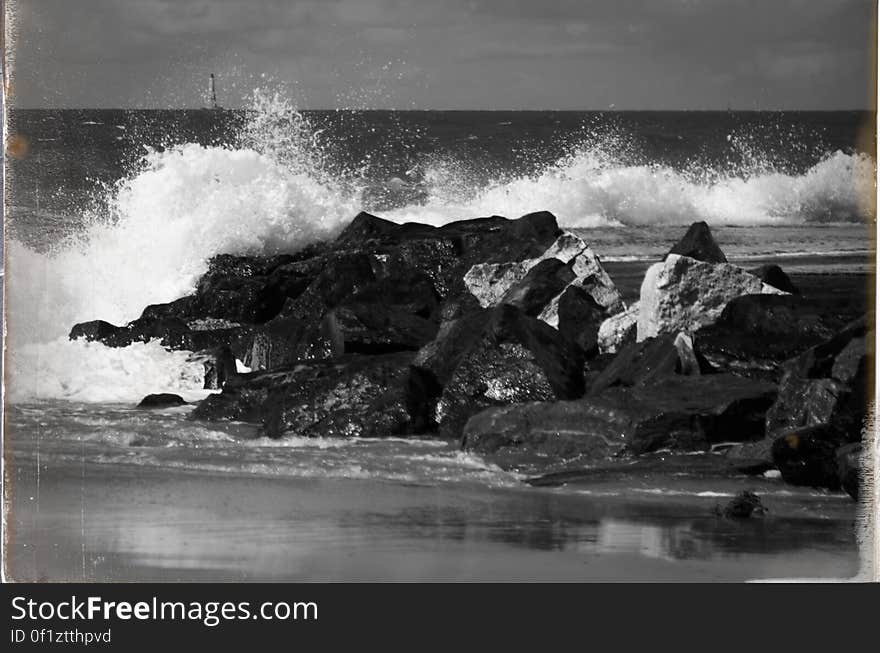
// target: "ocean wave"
[[591, 189]]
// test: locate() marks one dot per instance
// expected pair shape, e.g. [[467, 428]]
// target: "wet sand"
[[93, 522]]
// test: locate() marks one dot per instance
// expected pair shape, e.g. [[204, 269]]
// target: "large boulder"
[[699, 244], [353, 396], [684, 413], [684, 294], [828, 384], [756, 333], [491, 357]]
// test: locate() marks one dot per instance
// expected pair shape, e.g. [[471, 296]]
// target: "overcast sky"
[[452, 54]]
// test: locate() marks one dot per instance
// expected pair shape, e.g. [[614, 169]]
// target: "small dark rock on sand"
[[742, 506], [161, 400]]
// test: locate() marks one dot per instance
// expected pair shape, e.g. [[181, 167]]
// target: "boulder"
[[828, 384], [489, 282], [578, 319], [752, 458], [685, 413], [650, 361], [491, 357], [699, 244], [542, 283], [618, 330], [773, 275], [684, 294], [808, 456], [353, 396], [161, 400], [756, 333], [535, 435]]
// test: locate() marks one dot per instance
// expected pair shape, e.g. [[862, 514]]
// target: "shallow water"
[[110, 493]]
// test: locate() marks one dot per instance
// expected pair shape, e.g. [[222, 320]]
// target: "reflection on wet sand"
[[113, 524]]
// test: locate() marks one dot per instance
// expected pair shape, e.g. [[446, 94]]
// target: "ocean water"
[[108, 211]]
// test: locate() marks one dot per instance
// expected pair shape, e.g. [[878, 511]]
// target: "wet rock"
[[161, 400], [489, 282], [849, 468], [220, 366], [828, 384], [493, 357], [752, 458], [682, 414], [366, 227], [693, 412], [542, 283], [742, 506], [684, 294], [756, 333], [579, 317], [618, 330], [808, 456], [354, 396], [699, 244], [521, 434], [650, 361], [96, 330], [773, 275]]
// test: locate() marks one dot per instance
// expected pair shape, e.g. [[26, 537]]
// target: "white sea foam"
[[592, 189]]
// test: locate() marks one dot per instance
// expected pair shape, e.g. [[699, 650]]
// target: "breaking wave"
[[273, 191]]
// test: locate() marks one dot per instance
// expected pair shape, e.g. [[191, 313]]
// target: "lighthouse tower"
[[213, 94]]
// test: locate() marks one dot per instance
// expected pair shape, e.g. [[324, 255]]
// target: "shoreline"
[[109, 523]]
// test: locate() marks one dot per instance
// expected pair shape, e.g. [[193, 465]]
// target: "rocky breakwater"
[[713, 357], [510, 336]]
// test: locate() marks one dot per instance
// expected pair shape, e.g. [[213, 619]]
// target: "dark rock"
[[342, 276], [538, 434], [773, 275], [651, 360], [756, 333], [361, 396], [684, 413], [849, 468], [580, 317], [694, 412], [280, 343], [751, 458], [96, 330], [541, 284], [808, 456], [366, 227], [179, 308], [699, 244], [220, 366], [827, 384], [742, 506], [162, 400], [494, 357]]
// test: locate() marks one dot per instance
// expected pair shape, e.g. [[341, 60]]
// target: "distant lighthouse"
[[213, 94]]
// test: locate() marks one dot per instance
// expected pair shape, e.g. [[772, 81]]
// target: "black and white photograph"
[[459, 291]]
